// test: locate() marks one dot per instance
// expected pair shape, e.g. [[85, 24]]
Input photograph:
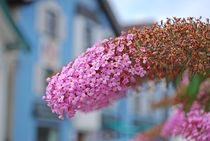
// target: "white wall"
[[3, 94]]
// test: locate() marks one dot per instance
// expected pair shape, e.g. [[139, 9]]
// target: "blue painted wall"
[[24, 125], [24, 122]]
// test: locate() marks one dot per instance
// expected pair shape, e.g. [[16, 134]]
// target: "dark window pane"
[[51, 23], [47, 134]]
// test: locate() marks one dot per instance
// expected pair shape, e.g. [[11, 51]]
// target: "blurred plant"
[[194, 125], [108, 69]]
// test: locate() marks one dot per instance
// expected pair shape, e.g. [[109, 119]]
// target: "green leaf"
[[194, 85], [178, 79], [193, 89]]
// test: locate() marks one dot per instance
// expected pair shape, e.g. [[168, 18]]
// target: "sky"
[[137, 11]]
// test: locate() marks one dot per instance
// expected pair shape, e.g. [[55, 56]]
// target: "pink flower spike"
[[96, 78]]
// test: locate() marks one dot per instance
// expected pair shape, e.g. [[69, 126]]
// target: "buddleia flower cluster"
[[104, 72], [96, 78]]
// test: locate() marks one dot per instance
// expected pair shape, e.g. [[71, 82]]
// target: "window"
[[88, 34], [47, 134], [51, 24], [51, 20]]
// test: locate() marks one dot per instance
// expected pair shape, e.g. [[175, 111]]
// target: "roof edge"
[[23, 44]]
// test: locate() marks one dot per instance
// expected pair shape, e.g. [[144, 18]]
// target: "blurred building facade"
[[47, 26], [134, 114], [11, 41], [129, 116], [57, 31], [91, 24]]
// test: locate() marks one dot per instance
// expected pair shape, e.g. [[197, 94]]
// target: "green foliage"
[[193, 89], [195, 82], [194, 85]]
